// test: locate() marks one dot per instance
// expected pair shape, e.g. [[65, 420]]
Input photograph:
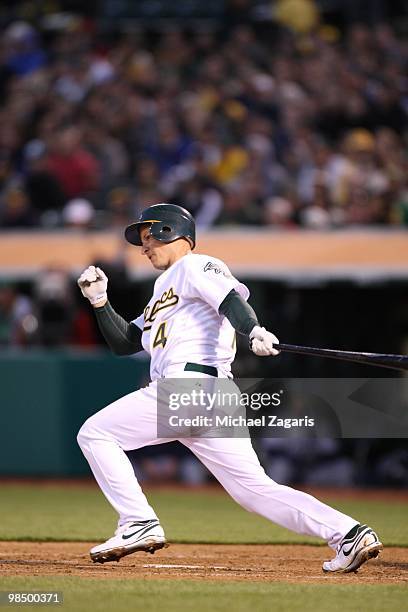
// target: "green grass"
[[82, 595], [29, 512]]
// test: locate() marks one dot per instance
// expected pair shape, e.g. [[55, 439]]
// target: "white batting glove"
[[93, 283], [261, 342]]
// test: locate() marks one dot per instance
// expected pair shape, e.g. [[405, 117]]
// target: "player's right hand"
[[261, 342], [93, 283]]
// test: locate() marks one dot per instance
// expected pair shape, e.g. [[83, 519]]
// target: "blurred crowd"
[[49, 310], [241, 125]]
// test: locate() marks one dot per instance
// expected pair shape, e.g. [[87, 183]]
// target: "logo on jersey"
[[167, 300], [215, 268]]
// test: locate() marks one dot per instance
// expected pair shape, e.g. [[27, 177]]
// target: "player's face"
[[160, 254]]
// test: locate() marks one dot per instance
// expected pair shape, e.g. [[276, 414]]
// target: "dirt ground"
[[269, 563]]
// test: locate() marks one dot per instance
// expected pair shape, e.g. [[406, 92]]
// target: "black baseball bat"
[[396, 362]]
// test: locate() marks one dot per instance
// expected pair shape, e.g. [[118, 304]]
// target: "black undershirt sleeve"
[[122, 337], [239, 313]]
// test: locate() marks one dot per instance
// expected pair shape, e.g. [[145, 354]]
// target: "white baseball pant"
[[130, 423]]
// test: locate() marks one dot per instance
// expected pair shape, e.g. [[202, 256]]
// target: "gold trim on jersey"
[[160, 338], [168, 299]]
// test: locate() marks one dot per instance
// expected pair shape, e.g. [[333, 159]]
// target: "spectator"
[[75, 168], [279, 212], [110, 154], [147, 182], [201, 198], [78, 214], [17, 321], [15, 209], [53, 304], [24, 55], [43, 189], [120, 207], [171, 147]]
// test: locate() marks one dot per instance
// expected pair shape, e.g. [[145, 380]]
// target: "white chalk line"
[[222, 568]]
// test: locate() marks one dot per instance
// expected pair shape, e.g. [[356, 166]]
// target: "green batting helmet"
[[168, 222]]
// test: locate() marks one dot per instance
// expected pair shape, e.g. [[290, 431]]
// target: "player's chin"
[[156, 263]]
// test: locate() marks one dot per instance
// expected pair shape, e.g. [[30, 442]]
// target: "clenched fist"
[[93, 283], [261, 342]]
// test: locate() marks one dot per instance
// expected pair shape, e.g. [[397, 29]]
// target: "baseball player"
[[188, 328]]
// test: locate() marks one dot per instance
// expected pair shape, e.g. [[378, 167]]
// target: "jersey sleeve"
[[139, 321], [209, 279]]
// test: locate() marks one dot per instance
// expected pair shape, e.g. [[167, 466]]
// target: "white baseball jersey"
[[181, 322]]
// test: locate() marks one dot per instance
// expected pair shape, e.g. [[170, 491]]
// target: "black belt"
[[204, 369]]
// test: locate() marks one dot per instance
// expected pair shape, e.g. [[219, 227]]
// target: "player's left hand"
[[261, 342]]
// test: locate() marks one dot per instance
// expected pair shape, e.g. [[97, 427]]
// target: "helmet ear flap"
[[162, 231]]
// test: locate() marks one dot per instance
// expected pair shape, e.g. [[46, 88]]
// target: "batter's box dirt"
[[300, 564]]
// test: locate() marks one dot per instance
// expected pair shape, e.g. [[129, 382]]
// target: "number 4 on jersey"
[[160, 338]]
